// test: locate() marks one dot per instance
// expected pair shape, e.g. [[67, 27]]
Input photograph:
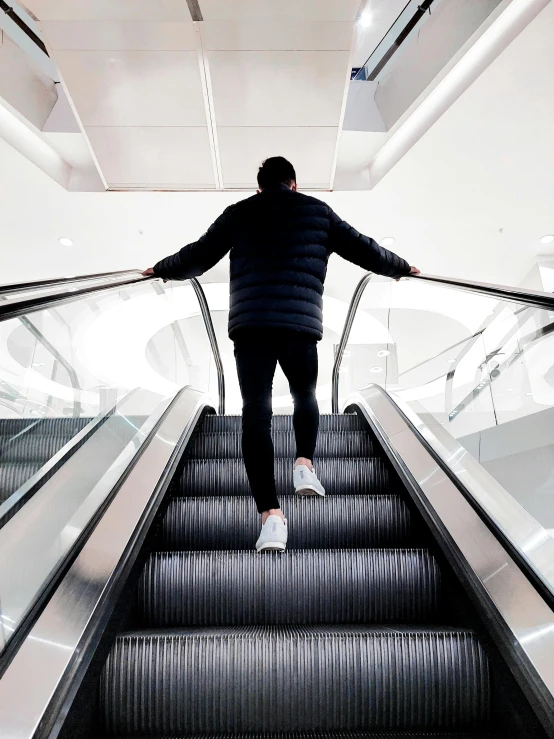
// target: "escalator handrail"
[[21, 306], [16, 308], [350, 316], [22, 286], [533, 298]]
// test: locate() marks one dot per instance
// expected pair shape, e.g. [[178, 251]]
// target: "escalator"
[[374, 623], [350, 630]]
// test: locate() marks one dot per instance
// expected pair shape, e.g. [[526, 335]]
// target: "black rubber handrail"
[[20, 23], [352, 310], [22, 286], [22, 306], [533, 298]]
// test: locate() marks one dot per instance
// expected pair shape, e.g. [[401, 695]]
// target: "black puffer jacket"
[[280, 242]]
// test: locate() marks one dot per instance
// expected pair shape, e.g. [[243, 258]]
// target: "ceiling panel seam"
[[209, 107]]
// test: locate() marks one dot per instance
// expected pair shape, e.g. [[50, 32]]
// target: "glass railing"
[[83, 381], [477, 363]]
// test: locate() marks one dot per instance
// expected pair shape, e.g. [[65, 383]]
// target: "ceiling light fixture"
[[387, 241], [383, 353], [65, 241], [451, 361], [365, 20], [376, 370], [547, 239]]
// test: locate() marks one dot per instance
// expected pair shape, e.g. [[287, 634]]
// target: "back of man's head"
[[276, 171]]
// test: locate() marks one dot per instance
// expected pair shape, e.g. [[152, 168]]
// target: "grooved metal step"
[[232, 588], [338, 476], [42, 426], [227, 445], [330, 735], [31, 447], [340, 521], [13, 475], [321, 679], [327, 422]]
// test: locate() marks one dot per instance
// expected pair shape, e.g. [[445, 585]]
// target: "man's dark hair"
[[276, 171]]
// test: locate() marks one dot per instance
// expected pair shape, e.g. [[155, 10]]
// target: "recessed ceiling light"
[[38, 364], [387, 241], [65, 241], [383, 353], [376, 370], [365, 20], [451, 361], [547, 239], [528, 393]]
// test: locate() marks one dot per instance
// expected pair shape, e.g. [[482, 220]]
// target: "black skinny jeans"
[[257, 354]]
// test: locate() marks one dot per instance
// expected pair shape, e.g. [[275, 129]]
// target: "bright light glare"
[[365, 20], [387, 241], [65, 241], [547, 239]]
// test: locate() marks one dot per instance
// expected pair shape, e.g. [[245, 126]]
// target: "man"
[[279, 242]]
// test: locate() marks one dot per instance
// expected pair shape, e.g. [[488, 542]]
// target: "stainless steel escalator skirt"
[[47, 669], [520, 618]]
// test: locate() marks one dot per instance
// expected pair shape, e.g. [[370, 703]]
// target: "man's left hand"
[[148, 272]]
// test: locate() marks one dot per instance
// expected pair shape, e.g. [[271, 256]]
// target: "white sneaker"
[[306, 482], [273, 536]]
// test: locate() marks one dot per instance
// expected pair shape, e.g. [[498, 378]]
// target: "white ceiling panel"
[[134, 88], [311, 151], [276, 36], [129, 36], [157, 158], [278, 88], [112, 10], [270, 10]]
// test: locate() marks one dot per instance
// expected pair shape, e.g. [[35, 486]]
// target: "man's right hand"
[[415, 271]]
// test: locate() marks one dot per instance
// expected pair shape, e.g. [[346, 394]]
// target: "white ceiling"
[[470, 199], [168, 103]]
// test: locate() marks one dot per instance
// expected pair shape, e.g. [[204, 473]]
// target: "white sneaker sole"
[[309, 490], [272, 546]]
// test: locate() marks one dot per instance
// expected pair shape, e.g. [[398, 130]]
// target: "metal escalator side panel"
[[75, 614], [520, 620]]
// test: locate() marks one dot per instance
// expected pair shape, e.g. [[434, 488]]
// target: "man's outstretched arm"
[[196, 258], [364, 251]]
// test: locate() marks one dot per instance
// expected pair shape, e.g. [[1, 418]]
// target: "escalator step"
[[338, 476], [227, 445], [266, 679], [340, 521], [330, 735], [30, 447], [44, 426], [299, 587], [13, 475], [327, 422]]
